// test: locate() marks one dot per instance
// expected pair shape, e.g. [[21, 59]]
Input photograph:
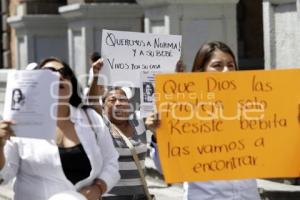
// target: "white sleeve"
[[12, 160], [110, 173], [155, 157]]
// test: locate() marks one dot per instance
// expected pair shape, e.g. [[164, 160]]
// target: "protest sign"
[[235, 125], [147, 93], [126, 54], [31, 100]]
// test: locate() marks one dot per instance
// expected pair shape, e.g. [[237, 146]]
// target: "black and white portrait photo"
[[17, 100], [148, 91]]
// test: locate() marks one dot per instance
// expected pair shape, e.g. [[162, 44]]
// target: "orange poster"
[[235, 125]]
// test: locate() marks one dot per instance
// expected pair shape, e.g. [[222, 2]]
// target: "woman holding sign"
[[82, 158], [129, 137], [218, 57]]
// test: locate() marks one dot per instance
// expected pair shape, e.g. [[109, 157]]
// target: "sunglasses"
[[62, 71]]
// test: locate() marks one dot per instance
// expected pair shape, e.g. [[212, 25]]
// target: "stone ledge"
[[156, 3], [37, 21], [100, 1], [101, 10], [282, 1]]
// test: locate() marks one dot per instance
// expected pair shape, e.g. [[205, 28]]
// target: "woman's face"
[[116, 105], [65, 87], [148, 90], [220, 62], [17, 96]]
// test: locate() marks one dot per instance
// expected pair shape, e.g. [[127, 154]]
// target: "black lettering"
[[241, 145], [260, 142], [149, 44], [229, 164], [110, 39], [261, 86], [111, 63], [220, 85], [185, 150], [177, 151], [134, 52], [170, 86], [174, 127], [263, 124], [211, 84]]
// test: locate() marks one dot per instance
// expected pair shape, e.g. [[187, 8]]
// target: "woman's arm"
[[5, 133], [110, 173], [152, 122], [2, 156], [154, 155], [95, 90], [9, 157]]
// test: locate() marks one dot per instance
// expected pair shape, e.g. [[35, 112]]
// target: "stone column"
[[39, 36], [281, 33], [197, 21], [39, 31], [85, 24], [5, 34]]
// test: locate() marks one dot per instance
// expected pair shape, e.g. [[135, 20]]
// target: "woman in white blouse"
[[81, 158], [218, 57]]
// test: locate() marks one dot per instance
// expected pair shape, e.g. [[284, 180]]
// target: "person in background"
[[116, 109], [82, 157], [120, 117]]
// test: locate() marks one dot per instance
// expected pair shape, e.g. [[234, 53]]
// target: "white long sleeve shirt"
[[221, 190], [37, 166]]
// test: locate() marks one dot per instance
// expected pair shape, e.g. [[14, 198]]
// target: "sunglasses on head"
[[61, 71]]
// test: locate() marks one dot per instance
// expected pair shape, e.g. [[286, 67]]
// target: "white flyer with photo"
[[126, 54], [31, 102], [147, 93]]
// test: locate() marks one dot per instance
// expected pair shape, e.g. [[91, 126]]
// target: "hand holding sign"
[[229, 125], [126, 54], [28, 103]]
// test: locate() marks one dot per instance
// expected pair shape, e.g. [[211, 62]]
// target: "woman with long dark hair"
[[218, 57], [82, 158]]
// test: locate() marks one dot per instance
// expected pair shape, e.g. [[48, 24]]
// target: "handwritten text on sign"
[[233, 125], [126, 54]]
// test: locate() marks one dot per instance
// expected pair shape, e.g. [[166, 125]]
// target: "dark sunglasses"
[[62, 71]]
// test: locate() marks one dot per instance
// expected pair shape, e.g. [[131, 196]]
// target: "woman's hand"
[[97, 66], [5, 132], [94, 191], [180, 66], [95, 90], [91, 192], [152, 122]]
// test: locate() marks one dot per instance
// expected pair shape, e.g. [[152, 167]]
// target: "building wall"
[[281, 33], [5, 36], [285, 17], [13, 5]]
